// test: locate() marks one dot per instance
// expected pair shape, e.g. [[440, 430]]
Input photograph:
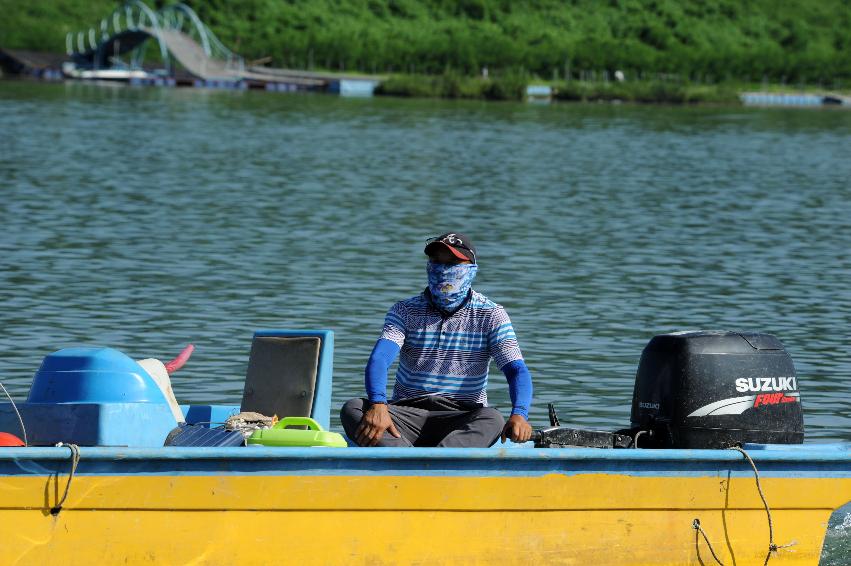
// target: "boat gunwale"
[[839, 453]]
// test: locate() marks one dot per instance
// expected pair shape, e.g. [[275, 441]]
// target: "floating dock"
[[793, 99], [31, 63]]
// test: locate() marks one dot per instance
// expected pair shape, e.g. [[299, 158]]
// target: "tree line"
[[702, 41]]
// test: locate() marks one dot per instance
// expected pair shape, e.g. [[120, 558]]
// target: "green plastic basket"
[[280, 435]]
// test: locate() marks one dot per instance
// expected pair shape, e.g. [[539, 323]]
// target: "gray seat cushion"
[[281, 376]]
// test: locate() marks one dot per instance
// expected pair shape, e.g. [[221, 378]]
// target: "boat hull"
[[416, 506]]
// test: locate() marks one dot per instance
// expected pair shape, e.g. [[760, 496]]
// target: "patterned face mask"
[[449, 284]]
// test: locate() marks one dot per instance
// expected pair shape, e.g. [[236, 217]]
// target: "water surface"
[[144, 219]]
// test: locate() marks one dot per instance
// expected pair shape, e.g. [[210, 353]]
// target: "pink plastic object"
[[180, 360]]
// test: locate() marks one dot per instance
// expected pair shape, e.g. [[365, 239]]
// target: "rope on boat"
[[75, 459], [696, 526], [772, 546], [20, 420]]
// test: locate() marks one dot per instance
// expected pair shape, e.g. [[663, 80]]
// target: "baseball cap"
[[460, 245]]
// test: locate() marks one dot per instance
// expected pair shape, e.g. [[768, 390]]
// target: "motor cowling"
[[714, 390]]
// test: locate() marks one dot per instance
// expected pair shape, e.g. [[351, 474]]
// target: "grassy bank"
[[450, 84], [649, 92], [513, 87], [670, 90], [678, 92]]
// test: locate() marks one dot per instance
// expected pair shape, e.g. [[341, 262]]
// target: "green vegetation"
[[666, 48], [649, 91], [512, 87], [450, 84]]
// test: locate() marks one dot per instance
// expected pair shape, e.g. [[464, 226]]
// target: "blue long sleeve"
[[375, 375], [519, 387]]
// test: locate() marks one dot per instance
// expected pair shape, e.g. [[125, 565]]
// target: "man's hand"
[[517, 429], [375, 421]]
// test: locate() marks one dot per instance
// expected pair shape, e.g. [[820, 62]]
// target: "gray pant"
[[431, 420]]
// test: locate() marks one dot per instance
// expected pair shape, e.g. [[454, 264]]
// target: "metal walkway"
[[192, 57]]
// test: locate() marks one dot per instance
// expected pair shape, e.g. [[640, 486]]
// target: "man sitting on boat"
[[447, 336]]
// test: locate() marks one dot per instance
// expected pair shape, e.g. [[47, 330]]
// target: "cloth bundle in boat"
[[157, 370], [281, 376]]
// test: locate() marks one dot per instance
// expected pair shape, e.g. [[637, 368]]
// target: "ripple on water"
[[144, 219]]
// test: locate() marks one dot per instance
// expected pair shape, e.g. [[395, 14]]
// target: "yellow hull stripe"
[[554, 519]]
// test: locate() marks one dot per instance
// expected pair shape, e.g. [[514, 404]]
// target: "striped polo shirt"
[[449, 356]]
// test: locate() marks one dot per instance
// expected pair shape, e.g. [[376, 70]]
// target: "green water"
[[145, 219]]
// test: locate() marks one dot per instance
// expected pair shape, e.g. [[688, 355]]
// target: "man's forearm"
[[519, 387], [375, 375]]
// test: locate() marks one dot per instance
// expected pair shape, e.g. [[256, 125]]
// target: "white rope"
[[772, 547], [696, 526], [75, 459], [20, 420]]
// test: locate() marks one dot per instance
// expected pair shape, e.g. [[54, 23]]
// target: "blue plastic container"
[[92, 397], [92, 375]]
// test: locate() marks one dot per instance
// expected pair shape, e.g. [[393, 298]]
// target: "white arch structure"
[[135, 22]]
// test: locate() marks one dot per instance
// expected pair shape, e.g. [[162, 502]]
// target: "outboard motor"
[[715, 390]]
